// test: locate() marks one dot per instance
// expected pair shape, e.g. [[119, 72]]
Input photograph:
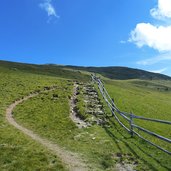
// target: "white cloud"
[[156, 37], [151, 61], [163, 10], [49, 8], [159, 71], [122, 41]]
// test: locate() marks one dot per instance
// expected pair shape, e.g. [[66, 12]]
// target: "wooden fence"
[[130, 118]]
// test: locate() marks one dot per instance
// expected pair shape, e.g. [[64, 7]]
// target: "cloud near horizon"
[[154, 60], [159, 71], [156, 37], [49, 8]]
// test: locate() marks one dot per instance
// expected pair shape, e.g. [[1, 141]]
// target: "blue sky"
[[132, 33]]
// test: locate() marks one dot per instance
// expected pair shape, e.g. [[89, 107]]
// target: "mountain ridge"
[[112, 72], [122, 73]]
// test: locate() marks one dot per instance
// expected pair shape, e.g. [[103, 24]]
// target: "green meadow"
[[19, 152], [103, 147]]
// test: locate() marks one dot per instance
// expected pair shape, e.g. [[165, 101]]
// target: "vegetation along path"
[[72, 160], [73, 114]]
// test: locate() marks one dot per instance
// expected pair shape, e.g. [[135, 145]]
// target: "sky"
[[131, 33]]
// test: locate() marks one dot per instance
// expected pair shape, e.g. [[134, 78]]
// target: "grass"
[[101, 146], [47, 70], [81, 105], [53, 123], [18, 152], [122, 73], [148, 99]]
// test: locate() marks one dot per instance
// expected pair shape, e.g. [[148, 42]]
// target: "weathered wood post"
[[131, 125], [102, 89], [97, 81], [113, 106], [92, 78], [102, 86]]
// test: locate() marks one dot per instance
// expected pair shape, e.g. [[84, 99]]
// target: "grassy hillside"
[[123, 73], [81, 73], [19, 152], [150, 99], [48, 70], [105, 147]]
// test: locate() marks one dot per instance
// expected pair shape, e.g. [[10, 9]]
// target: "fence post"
[[131, 125], [98, 83], [102, 88], [92, 78], [113, 105]]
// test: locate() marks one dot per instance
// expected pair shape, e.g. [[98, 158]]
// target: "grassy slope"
[[18, 152], [144, 98], [99, 145], [122, 73], [48, 70], [74, 72], [150, 99]]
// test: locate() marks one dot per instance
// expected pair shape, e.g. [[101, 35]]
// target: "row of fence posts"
[[113, 110], [130, 121], [130, 117]]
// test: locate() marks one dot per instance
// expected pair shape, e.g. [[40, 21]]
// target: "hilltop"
[[48, 70], [123, 73], [74, 72]]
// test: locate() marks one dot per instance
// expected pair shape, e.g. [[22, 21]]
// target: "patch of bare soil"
[[124, 167], [127, 162]]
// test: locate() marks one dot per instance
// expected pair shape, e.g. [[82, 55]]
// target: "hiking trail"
[[72, 160]]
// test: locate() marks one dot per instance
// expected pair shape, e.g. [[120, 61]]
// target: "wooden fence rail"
[[130, 117]]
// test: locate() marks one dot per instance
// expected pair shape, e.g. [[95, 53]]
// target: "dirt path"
[[79, 123], [71, 160]]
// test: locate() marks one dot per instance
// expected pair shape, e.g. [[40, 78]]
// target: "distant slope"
[[49, 70], [123, 73], [73, 72]]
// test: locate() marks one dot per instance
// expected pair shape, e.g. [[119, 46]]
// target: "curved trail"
[[72, 160]]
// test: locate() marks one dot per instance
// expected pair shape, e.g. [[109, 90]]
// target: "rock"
[[90, 112], [100, 122], [55, 96], [99, 112], [119, 154], [46, 88]]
